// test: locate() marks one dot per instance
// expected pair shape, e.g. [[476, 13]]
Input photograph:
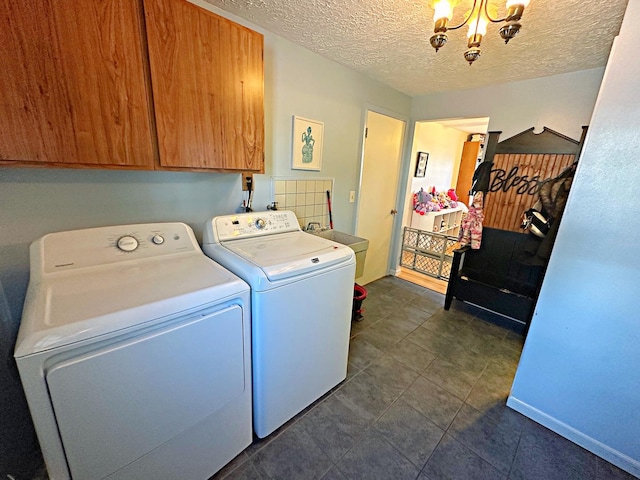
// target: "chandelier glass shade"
[[480, 15]]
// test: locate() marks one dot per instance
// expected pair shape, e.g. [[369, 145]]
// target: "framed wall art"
[[421, 164], [308, 136]]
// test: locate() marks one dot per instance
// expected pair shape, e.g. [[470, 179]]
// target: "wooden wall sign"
[[520, 165]]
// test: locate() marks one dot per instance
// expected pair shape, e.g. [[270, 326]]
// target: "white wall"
[[561, 102], [37, 201], [580, 369], [444, 145]]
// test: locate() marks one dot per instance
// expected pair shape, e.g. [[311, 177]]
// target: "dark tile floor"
[[424, 399]]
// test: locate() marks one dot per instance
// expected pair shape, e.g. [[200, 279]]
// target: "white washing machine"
[[134, 354], [301, 300]]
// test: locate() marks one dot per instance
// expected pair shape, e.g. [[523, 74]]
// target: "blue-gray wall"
[[34, 202], [297, 82], [580, 368], [563, 103], [37, 201], [560, 102]]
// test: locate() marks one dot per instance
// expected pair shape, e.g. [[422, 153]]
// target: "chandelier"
[[478, 19]]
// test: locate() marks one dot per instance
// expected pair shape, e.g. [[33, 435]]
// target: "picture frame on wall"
[[308, 138], [421, 164]]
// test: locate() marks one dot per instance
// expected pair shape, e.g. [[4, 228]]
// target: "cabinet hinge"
[[366, 132]]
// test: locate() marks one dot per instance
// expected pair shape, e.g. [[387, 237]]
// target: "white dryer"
[[301, 300], [134, 354]]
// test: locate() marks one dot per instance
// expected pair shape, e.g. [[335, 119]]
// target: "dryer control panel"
[[64, 251], [254, 224]]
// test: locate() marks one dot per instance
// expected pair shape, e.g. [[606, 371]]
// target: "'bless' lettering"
[[500, 180]]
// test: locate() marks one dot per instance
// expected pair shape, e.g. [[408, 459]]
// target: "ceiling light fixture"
[[478, 19]]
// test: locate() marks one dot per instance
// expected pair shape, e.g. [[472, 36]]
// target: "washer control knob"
[[157, 239], [127, 243], [260, 223]]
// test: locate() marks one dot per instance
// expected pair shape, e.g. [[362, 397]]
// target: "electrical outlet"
[[352, 196], [247, 181]]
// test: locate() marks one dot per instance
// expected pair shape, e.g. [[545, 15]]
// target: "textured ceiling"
[[388, 40]]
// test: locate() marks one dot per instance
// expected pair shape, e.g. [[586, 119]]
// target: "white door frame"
[[406, 171], [405, 152]]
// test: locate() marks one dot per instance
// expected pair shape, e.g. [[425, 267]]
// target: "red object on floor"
[[359, 294]]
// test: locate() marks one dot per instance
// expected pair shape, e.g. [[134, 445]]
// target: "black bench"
[[493, 278]]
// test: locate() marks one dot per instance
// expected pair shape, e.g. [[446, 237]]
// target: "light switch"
[[352, 196]]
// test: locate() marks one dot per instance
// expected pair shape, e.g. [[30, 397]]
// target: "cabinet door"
[[207, 77], [73, 87], [468, 162]]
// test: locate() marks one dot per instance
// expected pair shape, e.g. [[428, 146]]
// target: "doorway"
[[454, 147], [377, 199]]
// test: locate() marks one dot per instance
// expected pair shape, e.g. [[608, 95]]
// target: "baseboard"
[[611, 455]]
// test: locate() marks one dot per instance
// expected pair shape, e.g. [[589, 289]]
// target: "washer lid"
[[76, 305], [288, 254]]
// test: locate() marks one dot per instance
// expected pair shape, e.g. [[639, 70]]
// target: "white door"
[[378, 189]]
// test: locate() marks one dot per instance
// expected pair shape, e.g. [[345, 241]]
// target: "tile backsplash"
[[306, 198]]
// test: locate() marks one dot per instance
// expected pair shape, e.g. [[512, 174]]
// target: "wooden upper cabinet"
[[208, 88], [73, 87]]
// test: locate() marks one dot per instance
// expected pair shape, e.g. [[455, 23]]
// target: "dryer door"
[[117, 403]]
